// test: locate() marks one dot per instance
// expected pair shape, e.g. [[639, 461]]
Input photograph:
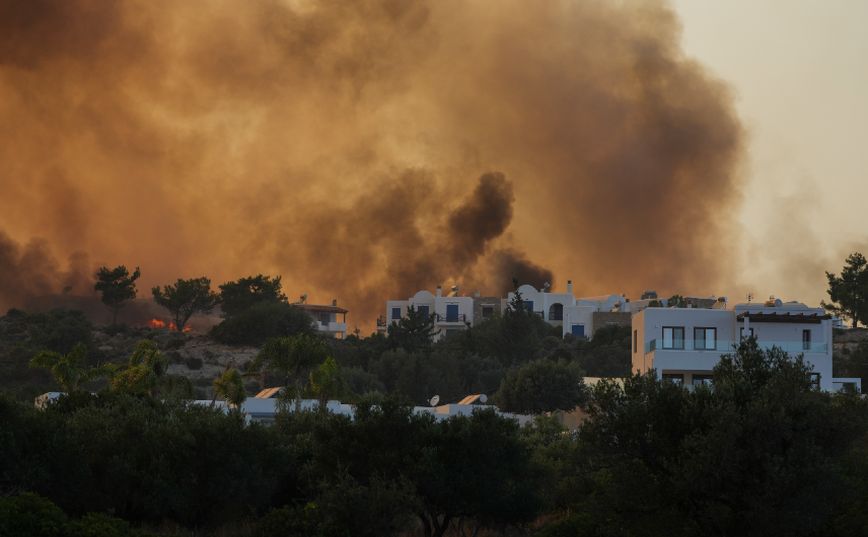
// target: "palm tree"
[[70, 370], [230, 387], [145, 370]]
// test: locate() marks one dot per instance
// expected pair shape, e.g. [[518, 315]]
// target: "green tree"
[[475, 472], [412, 332], [69, 370], [541, 386], [230, 387], [849, 291], [676, 301], [186, 298], [117, 286], [327, 381], [758, 454], [240, 295], [263, 321], [145, 370], [292, 357], [31, 515]]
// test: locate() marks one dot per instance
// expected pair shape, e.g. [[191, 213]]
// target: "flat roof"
[[316, 307], [783, 317]]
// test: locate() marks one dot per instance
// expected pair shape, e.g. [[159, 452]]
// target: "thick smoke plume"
[[363, 148]]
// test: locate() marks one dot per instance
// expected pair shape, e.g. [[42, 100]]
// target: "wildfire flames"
[[159, 323]]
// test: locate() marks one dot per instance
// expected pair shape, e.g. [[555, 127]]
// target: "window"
[[423, 311], [451, 313], [742, 335], [705, 339], [556, 312], [674, 378], [396, 314], [703, 380], [814, 380], [578, 330], [324, 318], [528, 305], [673, 337], [487, 312], [635, 341], [806, 340]]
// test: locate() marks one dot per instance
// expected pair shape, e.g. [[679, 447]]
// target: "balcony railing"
[[727, 346], [460, 318]]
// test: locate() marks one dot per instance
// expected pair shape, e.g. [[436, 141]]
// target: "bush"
[[100, 525], [30, 515], [261, 322], [193, 363]]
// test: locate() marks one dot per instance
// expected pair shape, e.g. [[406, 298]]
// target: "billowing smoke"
[[365, 149]]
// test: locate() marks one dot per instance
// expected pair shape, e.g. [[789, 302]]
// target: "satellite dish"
[[434, 400], [483, 398]]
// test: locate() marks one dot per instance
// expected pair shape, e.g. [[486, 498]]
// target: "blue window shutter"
[[451, 313], [396, 313], [528, 305], [423, 310], [578, 330]]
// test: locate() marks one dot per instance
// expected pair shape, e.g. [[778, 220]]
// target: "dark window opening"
[[674, 378], [556, 312]]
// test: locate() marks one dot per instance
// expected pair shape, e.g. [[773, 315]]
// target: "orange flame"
[[159, 324]]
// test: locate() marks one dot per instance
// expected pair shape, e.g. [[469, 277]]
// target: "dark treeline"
[[760, 454]]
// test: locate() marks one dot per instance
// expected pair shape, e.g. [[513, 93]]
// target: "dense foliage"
[[761, 453], [261, 321]]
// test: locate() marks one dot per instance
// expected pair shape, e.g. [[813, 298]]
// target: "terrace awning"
[[781, 317]]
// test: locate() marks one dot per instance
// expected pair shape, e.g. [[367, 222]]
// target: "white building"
[[328, 320], [580, 319], [549, 306], [449, 313], [574, 315], [685, 344]]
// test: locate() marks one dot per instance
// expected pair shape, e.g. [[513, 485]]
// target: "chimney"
[[570, 286], [334, 302], [439, 292]]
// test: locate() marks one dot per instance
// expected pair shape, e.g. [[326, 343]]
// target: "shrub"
[[262, 322], [193, 363], [30, 515], [100, 525]]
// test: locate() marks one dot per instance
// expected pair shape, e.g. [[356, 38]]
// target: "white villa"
[[684, 344], [574, 315], [450, 313], [577, 316], [328, 320]]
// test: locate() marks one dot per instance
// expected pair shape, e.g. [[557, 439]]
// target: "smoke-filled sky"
[[365, 149]]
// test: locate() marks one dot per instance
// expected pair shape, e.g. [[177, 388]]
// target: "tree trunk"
[[441, 527]]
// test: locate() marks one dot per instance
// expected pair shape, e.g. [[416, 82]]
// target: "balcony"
[[461, 318], [728, 346], [331, 327]]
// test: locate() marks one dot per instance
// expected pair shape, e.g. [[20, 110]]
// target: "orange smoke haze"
[[363, 149]]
